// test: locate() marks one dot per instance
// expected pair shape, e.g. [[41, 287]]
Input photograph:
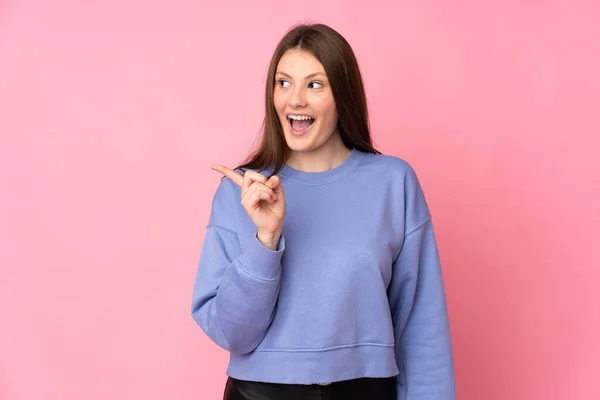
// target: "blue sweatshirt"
[[354, 288]]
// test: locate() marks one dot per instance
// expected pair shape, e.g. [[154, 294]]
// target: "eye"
[[282, 83], [316, 83]]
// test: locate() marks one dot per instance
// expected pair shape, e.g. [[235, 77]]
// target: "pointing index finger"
[[237, 178]]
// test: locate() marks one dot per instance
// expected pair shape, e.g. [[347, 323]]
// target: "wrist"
[[269, 240]]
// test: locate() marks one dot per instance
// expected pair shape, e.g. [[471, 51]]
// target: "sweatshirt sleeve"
[[419, 311], [236, 288]]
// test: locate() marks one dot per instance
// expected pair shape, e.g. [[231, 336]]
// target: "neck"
[[324, 158]]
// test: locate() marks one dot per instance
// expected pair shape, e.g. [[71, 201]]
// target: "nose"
[[297, 98]]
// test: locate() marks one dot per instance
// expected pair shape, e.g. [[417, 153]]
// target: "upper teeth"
[[299, 117]]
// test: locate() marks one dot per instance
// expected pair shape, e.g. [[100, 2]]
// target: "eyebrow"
[[307, 77]]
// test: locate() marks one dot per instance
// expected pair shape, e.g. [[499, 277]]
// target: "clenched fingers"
[[252, 199], [249, 178], [275, 183], [259, 187]]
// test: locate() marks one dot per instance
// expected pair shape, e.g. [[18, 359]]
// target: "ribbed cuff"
[[262, 262]]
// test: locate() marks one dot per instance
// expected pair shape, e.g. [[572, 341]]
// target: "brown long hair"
[[341, 67]]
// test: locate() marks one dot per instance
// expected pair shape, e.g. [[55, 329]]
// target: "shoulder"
[[223, 195], [390, 166], [226, 207], [401, 182]]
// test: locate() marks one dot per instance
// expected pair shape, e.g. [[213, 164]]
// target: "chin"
[[295, 146], [302, 147]]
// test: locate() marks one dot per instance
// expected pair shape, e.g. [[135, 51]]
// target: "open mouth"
[[300, 124]]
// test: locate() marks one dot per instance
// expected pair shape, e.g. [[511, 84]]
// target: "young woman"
[[319, 271]]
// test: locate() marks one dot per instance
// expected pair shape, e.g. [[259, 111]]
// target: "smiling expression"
[[304, 101]]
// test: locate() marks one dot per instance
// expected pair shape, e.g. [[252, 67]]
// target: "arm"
[[419, 311], [236, 289]]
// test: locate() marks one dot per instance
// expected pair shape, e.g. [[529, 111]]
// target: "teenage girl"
[[319, 271]]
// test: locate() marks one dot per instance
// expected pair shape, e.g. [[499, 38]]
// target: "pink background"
[[111, 113]]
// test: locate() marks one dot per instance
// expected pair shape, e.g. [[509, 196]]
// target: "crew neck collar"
[[316, 178]]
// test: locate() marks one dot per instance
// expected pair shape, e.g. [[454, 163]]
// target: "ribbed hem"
[[262, 262], [299, 367]]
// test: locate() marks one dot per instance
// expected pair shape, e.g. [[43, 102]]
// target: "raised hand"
[[263, 201]]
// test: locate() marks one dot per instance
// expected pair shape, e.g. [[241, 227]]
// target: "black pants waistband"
[[355, 389]]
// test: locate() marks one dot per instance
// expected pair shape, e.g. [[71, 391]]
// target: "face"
[[304, 102]]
